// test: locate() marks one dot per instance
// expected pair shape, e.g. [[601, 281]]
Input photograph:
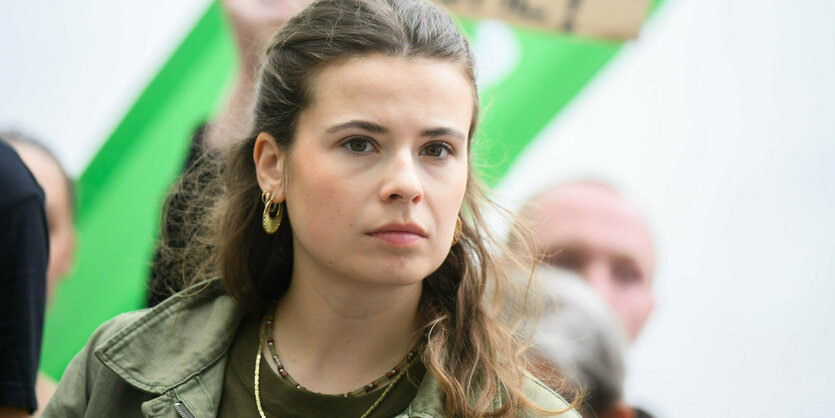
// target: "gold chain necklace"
[[367, 413]]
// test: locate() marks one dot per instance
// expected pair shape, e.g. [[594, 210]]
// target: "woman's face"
[[377, 172]]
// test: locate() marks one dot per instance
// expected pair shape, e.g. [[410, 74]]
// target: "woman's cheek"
[[326, 204]]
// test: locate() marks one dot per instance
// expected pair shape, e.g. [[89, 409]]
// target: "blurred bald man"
[[591, 229]]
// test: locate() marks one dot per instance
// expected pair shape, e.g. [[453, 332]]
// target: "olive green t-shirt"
[[280, 399]]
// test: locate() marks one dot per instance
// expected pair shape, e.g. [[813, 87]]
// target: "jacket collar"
[[174, 341], [165, 347]]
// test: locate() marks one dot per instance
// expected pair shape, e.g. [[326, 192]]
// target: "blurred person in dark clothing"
[[24, 254], [254, 24], [591, 229], [59, 193]]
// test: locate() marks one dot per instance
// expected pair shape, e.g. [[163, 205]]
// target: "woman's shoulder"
[[428, 402], [143, 353], [127, 343], [112, 326], [546, 398], [180, 309]]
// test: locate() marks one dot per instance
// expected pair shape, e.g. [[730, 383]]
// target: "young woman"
[[345, 270]]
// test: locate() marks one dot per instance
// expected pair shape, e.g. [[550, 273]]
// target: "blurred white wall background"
[[717, 121], [70, 70]]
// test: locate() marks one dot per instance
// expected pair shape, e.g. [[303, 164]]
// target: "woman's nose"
[[402, 181]]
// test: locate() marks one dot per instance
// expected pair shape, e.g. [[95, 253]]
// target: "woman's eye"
[[436, 150], [359, 145]]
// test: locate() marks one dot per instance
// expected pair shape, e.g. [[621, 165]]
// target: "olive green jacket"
[[169, 361]]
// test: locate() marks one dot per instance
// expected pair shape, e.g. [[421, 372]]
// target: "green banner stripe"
[[553, 69], [121, 191], [201, 42]]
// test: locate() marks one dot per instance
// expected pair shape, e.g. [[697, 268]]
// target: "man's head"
[[59, 193], [589, 228], [580, 338]]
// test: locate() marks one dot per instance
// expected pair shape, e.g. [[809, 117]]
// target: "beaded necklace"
[[376, 383], [394, 375]]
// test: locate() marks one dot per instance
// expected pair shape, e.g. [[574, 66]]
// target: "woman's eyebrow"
[[359, 124], [444, 132], [379, 129]]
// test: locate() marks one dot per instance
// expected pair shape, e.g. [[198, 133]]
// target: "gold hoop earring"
[[459, 229], [270, 222]]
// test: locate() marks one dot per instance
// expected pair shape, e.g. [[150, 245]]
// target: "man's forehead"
[[587, 197], [590, 218]]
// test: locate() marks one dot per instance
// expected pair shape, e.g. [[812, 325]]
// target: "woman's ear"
[[269, 165]]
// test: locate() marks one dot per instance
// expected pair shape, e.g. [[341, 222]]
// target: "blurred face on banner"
[[590, 229]]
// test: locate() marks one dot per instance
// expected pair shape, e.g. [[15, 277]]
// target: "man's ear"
[[269, 165]]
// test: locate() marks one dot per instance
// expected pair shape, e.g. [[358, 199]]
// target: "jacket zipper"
[[182, 410]]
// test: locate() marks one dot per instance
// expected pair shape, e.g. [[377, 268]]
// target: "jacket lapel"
[[177, 350]]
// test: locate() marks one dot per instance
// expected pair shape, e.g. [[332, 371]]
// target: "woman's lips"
[[397, 238], [400, 235]]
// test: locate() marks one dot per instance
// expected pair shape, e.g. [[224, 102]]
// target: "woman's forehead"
[[390, 87]]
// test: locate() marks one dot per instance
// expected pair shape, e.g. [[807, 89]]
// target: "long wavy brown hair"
[[473, 348]]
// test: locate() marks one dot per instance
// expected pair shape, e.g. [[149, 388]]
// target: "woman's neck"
[[334, 336]]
